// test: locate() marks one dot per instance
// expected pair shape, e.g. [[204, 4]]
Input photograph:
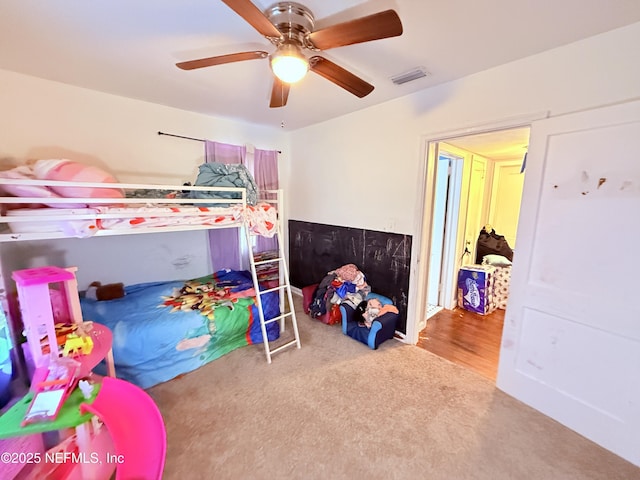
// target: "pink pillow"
[[68, 171], [24, 173]]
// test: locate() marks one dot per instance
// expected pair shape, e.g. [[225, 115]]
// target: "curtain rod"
[[190, 138]]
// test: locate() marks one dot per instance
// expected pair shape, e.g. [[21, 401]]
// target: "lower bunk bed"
[[164, 329]]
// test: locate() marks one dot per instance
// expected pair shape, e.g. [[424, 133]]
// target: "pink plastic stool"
[[136, 428]]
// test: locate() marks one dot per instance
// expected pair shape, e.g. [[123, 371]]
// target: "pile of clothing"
[[345, 284]]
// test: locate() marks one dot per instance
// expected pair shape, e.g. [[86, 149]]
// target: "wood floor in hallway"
[[465, 338]]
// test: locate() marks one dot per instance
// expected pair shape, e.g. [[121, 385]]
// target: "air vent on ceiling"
[[409, 76]]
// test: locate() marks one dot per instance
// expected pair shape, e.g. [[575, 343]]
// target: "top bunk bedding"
[[46, 209]]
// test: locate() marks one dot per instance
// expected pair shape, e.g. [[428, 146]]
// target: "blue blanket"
[[225, 175], [163, 329]]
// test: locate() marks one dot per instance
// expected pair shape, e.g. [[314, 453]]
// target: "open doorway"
[[477, 182]]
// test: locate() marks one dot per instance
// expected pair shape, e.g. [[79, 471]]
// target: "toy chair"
[[382, 328], [135, 426]]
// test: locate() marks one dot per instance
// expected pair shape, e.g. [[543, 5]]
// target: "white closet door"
[[571, 340], [506, 199], [475, 207]]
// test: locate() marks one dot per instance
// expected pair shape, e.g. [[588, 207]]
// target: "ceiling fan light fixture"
[[288, 63]]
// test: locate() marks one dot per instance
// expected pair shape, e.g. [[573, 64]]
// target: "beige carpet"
[[338, 410]]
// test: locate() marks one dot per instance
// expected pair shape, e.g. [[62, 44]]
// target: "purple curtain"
[[265, 173], [224, 153], [224, 244]]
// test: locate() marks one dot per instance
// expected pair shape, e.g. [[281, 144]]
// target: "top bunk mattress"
[[84, 222]]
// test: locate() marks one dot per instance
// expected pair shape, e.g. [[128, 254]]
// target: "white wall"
[[366, 169], [43, 119]]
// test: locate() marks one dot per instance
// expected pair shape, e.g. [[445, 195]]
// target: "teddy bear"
[[110, 291]]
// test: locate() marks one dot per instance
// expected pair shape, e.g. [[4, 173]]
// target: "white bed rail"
[[139, 201]]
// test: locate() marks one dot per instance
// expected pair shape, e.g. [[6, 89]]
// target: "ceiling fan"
[[290, 27]]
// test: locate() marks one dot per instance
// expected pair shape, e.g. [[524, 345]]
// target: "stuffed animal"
[[110, 291], [373, 310]]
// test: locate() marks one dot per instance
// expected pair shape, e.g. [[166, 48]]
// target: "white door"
[[571, 339], [452, 252], [437, 229], [505, 200], [475, 211]]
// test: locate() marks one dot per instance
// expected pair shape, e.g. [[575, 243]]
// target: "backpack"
[[490, 243]]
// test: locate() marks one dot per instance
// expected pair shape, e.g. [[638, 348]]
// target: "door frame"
[[423, 223], [447, 230]]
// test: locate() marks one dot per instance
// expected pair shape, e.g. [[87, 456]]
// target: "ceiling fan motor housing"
[[294, 20]]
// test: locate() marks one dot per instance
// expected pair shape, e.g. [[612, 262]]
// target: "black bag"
[[490, 243]]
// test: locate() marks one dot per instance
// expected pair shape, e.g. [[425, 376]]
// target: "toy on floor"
[[51, 385], [86, 388], [110, 291], [36, 308], [88, 343], [77, 345], [72, 339]]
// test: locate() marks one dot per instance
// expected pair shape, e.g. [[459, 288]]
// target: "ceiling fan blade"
[[279, 93], [254, 17], [220, 59], [341, 77], [372, 27]]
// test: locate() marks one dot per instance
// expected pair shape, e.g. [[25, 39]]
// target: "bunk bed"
[[161, 329]]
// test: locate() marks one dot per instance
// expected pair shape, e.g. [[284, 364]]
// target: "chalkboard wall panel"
[[384, 258]]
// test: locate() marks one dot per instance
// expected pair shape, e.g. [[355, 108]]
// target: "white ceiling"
[[130, 48], [509, 144]]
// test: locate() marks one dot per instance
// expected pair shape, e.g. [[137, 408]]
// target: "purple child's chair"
[[135, 426]]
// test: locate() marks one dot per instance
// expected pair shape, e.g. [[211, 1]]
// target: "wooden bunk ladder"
[[284, 287]]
